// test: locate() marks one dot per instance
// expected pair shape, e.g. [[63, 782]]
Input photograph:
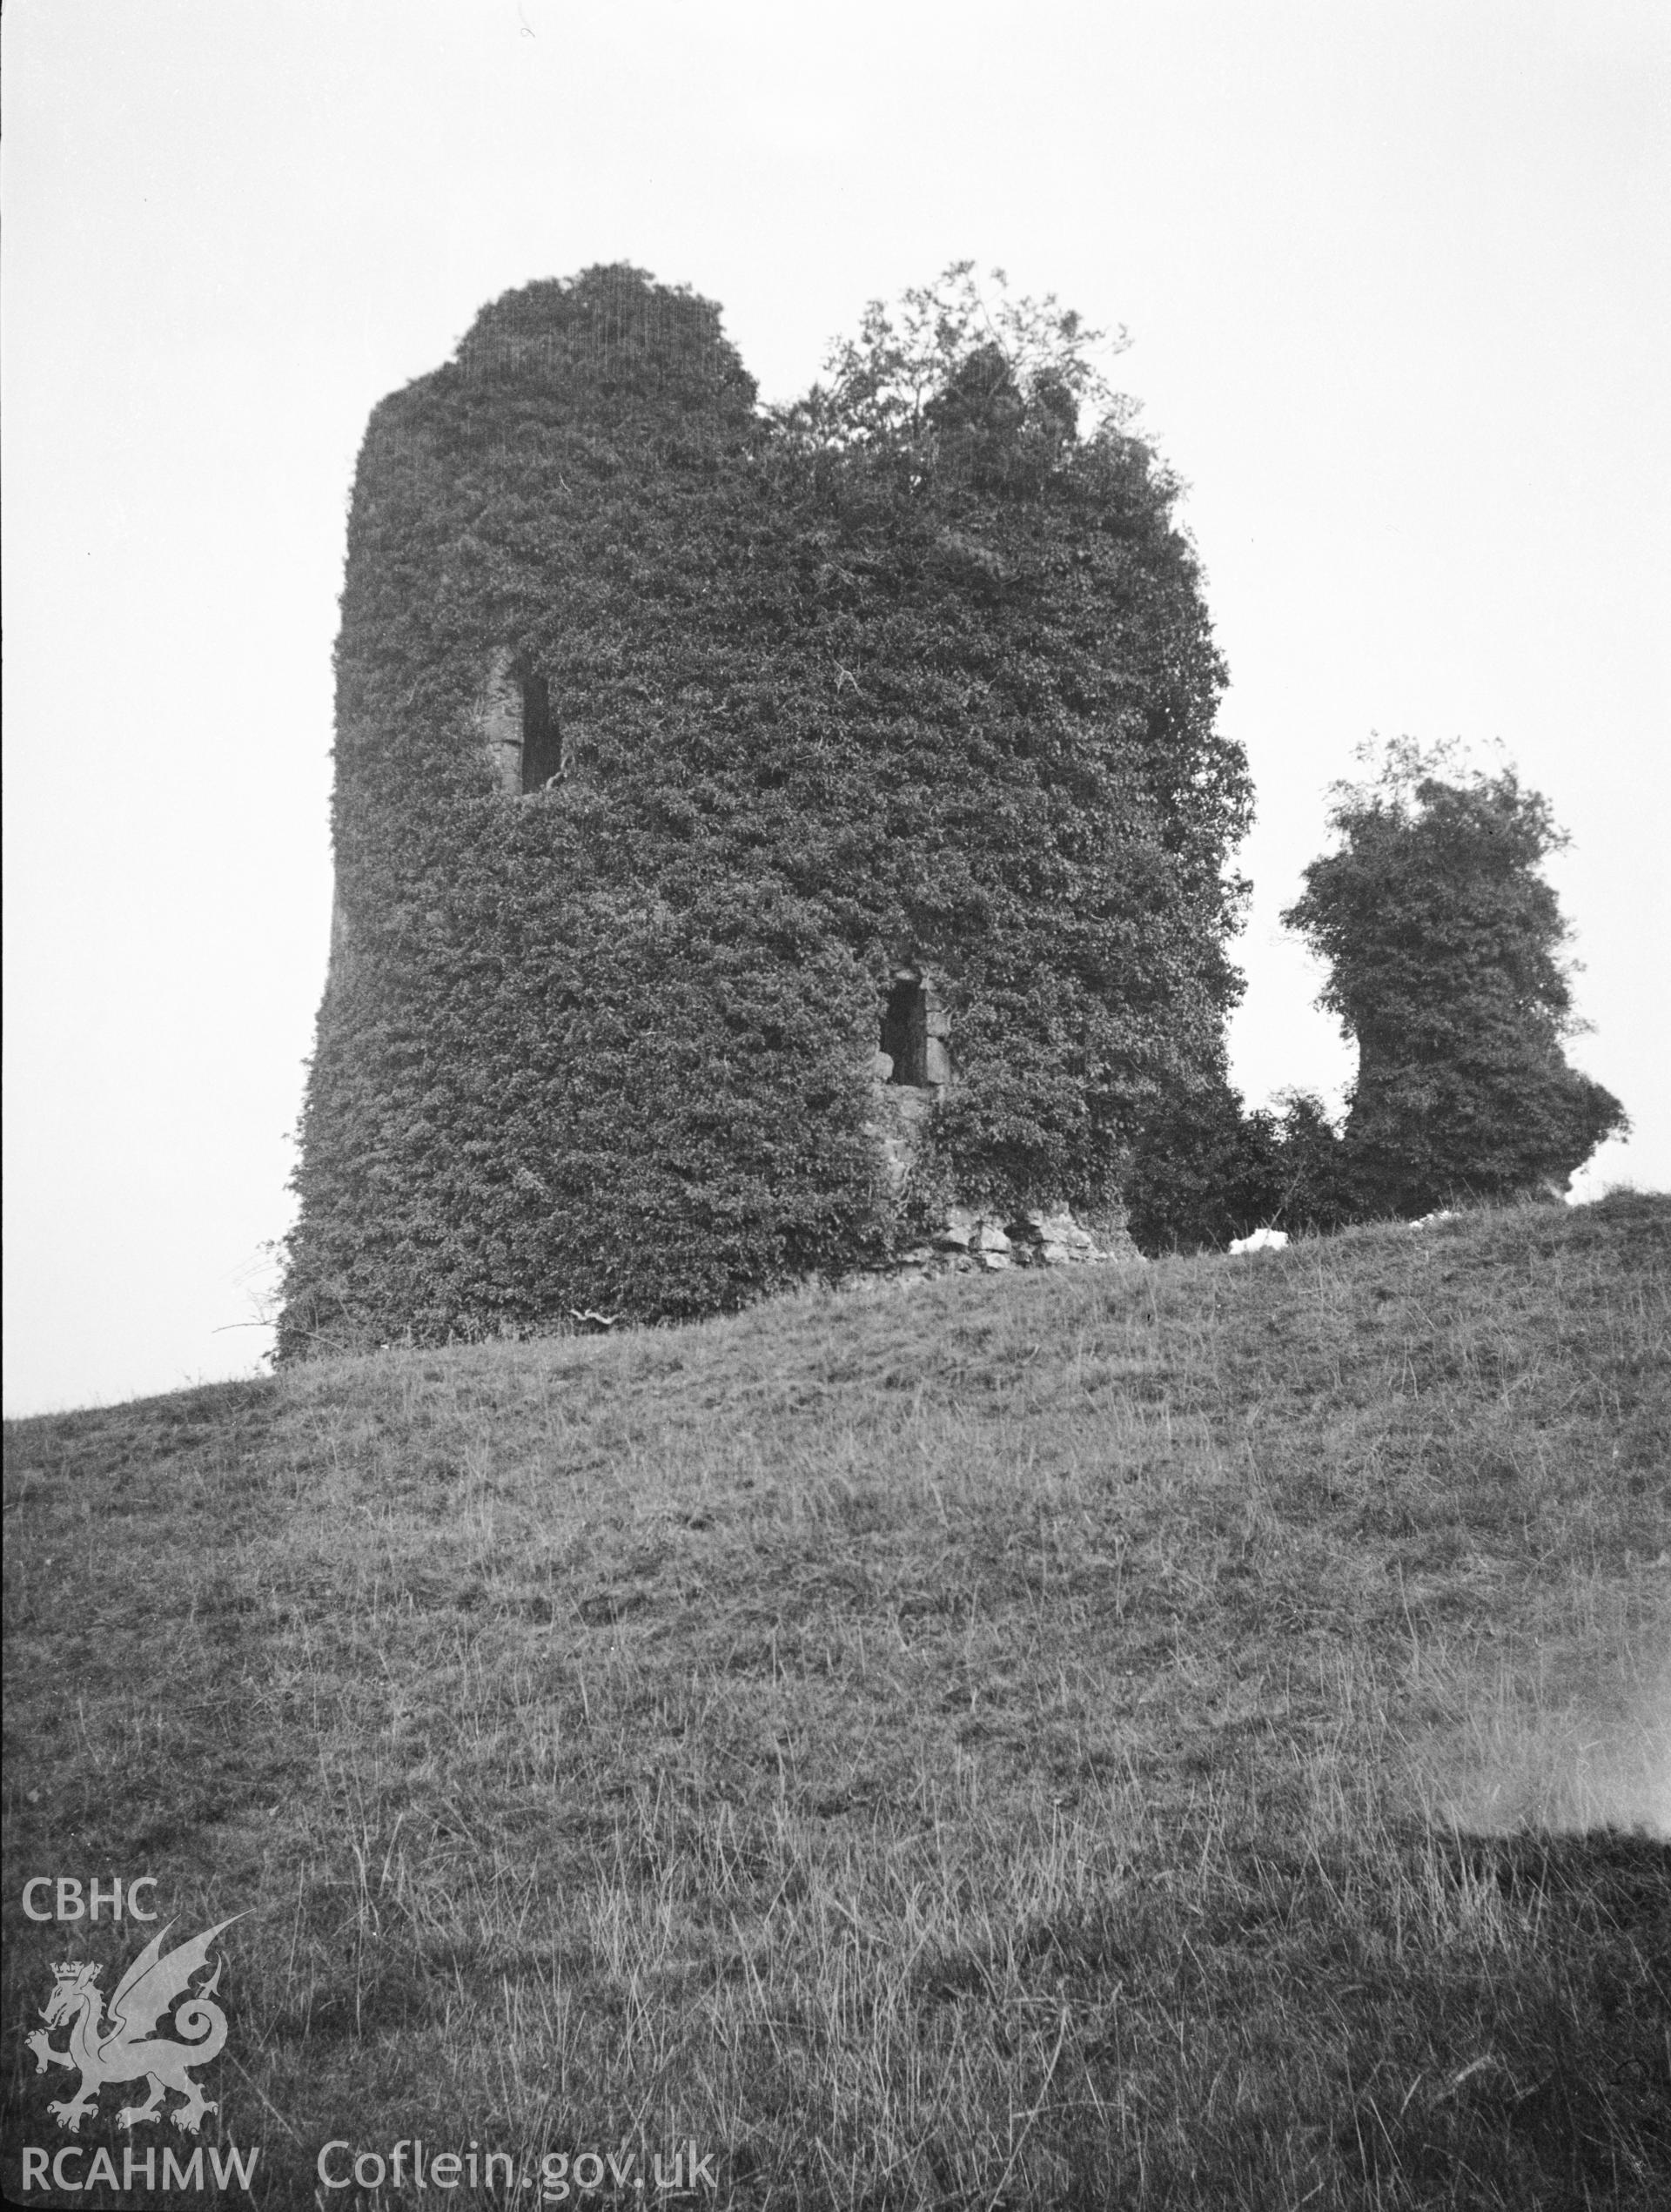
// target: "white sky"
[[1397, 275]]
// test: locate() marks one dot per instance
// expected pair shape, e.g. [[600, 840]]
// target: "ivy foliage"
[[1444, 943], [960, 364], [1206, 1170], [840, 688]]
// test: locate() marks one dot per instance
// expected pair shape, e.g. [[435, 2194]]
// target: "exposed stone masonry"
[[972, 1242]]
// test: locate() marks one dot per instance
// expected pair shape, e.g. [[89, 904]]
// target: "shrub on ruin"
[[1444, 943]]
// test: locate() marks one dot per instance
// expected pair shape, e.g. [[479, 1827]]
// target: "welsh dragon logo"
[[123, 2048]]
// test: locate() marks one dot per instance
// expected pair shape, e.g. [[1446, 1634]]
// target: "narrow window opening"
[[542, 741], [515, 717], [905, 1031]]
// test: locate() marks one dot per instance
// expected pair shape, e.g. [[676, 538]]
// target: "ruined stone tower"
[[759, 855]]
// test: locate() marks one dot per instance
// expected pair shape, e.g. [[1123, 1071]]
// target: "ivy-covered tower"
[[767, 845]]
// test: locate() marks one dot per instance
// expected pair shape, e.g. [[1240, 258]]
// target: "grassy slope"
[[986, 1745]]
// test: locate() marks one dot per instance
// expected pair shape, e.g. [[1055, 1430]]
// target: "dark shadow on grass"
[[1466, 2021], [1538, 2075]]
